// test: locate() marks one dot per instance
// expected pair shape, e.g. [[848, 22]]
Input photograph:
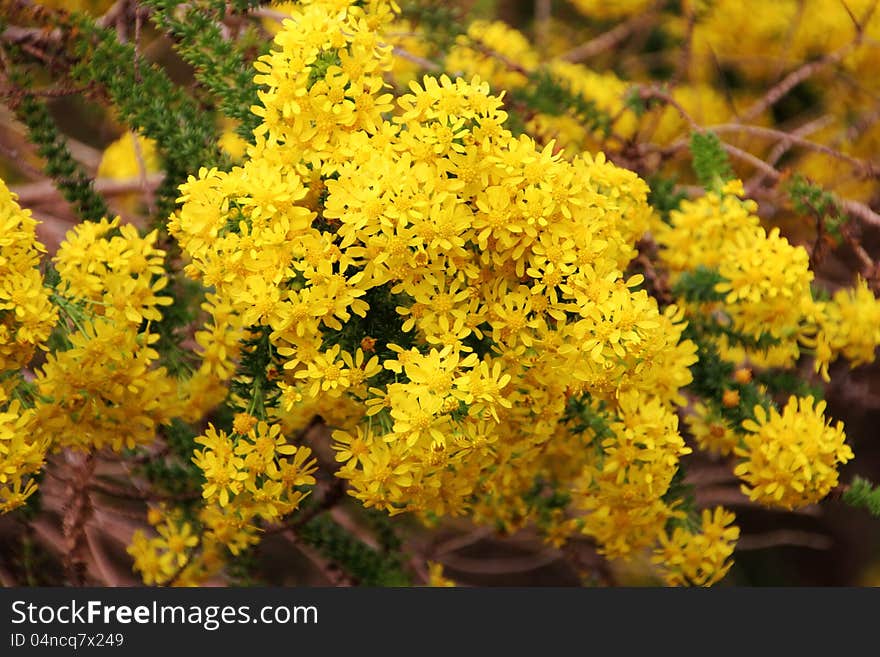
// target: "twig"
[[334, 494], [862, 211], [806, 71], [606, 40], [655, 93], [684, 59], [543, 13], [126, 494], [45, 191], [507, 566], [111, 16], [788, 138], [784, 537], [426, 64], [76, 515]]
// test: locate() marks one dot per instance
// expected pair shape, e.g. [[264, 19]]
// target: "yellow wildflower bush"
[[405, 272]]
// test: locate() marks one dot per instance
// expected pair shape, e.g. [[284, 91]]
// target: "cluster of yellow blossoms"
[[26, 321], [791, 459], [26, 314], [448, 297], [253, 474], [765, 287], [104, 389]]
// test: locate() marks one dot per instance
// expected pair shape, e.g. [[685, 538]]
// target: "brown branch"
[[869, 268], [45, 191], [113, 14], [543, 14], [782, 147], [789, 138], [333, 495], [124, 493], [782, 537], [806, 71], [75, 516], [657, 281], [655, 93], [426, 64], [607, 40], [684, 59], [504, 59], [501, 566], [862, 211]]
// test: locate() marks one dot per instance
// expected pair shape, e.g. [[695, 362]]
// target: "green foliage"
[[186, 296], [368, 566], [148, 101], [713, 376], [69, 177], [582, 417], [382, 321], [173, 475], [242, 568], [699, 285], [546, 499], [863, 494], [682, 493], [635, 103], [441, 22], [255, 383], [382, 526], [787, 382], [663, 196], [811, 199], [218, 62], [710, 161]]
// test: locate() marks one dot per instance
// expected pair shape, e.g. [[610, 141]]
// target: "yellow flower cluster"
[[759, 42], [791, 459], [624, 496], [114, 271], [766, 280], [170, 557], [711, 431], [26, 314], [701, 558], [219, 342], [766, 285], [104, 389], [253, 473], [454, 300], [27, 318], [476, 53], [250, 475], [22, 454], [440, 292], [505, 58], [849, 325], [757, 38]]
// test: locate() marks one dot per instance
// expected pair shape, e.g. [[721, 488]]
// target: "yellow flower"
[[128, 158], [701, 558], [711, 431], [791, 458], [436, 577], [848, 325]]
